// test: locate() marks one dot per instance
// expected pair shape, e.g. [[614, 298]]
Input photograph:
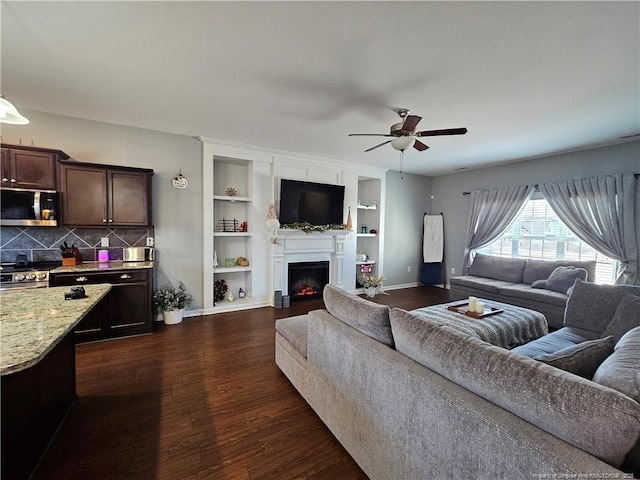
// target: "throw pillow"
[[627, 316], [539, 284], [582, 359], [620, 370], [563, 278]]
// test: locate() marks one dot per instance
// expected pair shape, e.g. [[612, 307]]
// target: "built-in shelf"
[[231, 269], [365, 235], [232, 234], [367, 207], [368, 262], [227, 198]]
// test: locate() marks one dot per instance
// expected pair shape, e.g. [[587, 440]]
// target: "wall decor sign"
[[180, 181]]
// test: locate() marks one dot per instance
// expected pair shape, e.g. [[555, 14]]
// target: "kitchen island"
[[37, 367]]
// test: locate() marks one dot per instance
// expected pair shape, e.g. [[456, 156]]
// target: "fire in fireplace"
[[307, 279]]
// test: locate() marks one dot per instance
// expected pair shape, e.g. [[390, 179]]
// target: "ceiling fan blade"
[[383, 143], [446, 131], [418, 145], [410, 123], [370, 135]]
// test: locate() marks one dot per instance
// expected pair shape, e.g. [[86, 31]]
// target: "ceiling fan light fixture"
[[9, 113], [402, 143]]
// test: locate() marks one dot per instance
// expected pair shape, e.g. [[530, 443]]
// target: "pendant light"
[[9, 113]]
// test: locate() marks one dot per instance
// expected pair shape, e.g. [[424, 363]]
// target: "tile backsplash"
[[43, 243]]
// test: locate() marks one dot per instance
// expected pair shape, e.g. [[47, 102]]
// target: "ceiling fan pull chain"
[[401, 164]]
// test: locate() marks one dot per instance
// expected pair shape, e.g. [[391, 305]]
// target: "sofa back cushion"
[[594, 418], [592, 307], [541, 269], [499, 268], [626, 317], [368, 317]]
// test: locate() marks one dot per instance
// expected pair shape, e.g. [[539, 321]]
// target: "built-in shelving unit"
[[368, 218]]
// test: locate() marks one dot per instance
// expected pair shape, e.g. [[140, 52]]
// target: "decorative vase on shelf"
[[172, 317]]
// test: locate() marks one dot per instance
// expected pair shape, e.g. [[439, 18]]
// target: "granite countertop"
[[33, 321], [102, 266]]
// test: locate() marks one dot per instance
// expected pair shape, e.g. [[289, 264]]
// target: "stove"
[[30, 275]]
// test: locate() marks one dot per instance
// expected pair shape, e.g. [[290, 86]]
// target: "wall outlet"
[[150, 242], [408, 268], [104, 242], [453, 271]]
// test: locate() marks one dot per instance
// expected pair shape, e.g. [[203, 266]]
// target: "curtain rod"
[[635, 175]]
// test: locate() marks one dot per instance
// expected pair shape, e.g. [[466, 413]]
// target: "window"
[[538, 233]]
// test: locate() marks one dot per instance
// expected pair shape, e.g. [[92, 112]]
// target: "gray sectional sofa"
[[513, 281], [413, 399]]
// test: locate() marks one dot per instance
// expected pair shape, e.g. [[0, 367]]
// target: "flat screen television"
[[315, 203]]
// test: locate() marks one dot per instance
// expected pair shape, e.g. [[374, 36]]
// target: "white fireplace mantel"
[[293, 246]]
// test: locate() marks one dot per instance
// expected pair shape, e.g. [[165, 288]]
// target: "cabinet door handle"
[[81, 279], [124, 276], [110, 221], [5, 179], [104, 220], [13, 180]]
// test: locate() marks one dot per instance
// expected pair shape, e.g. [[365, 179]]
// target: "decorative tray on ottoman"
[[463, 308]]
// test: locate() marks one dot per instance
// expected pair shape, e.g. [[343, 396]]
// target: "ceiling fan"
[[404, 133]]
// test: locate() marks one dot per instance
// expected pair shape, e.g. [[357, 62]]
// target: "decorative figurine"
[[230, 297], [215, 259], [241, 293], [231, 192], [272, 223]]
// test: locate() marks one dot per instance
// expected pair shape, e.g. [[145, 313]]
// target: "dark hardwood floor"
[[200, 400]]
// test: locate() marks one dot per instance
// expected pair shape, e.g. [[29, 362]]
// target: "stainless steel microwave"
[[20, 207]]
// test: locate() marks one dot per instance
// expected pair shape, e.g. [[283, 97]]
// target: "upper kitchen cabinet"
[[30, 167], [104, 195]]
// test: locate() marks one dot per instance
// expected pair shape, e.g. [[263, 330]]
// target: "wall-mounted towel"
[[433, 240]]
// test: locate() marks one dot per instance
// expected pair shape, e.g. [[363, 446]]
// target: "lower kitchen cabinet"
[[127, 309]]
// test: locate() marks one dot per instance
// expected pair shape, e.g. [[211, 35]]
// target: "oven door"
[[19, 207]]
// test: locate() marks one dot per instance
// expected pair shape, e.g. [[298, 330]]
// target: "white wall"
[[448, 189], [177, 214]]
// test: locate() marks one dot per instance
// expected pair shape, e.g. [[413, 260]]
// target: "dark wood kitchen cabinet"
[[103, 195], [128, 307], [29, 167]]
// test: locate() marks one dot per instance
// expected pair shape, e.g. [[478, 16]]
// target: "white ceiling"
[[526, 78]]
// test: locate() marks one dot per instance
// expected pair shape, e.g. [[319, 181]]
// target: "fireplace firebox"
[[307, 279]]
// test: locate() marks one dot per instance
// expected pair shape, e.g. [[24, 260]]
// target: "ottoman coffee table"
[[511, 327]]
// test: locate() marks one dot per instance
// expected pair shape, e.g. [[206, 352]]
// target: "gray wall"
[[408, 199], [177, 214], [448, 189]]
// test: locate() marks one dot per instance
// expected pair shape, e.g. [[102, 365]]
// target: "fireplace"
[[307, 279]]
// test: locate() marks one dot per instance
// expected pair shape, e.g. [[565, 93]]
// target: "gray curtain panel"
[[601, 212], [490, 214]]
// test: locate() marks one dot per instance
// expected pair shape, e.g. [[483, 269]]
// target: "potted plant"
[[171, 301], [373, 285]]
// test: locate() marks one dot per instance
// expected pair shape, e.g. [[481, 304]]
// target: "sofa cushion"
[[592, 307], [541, 269], [294, 329], [594, 418], [499, 268], [620, 371], [555, 341], [561, 279], [480, 283], [627, 316], [368, 317], [582, 359], [528, 292]]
